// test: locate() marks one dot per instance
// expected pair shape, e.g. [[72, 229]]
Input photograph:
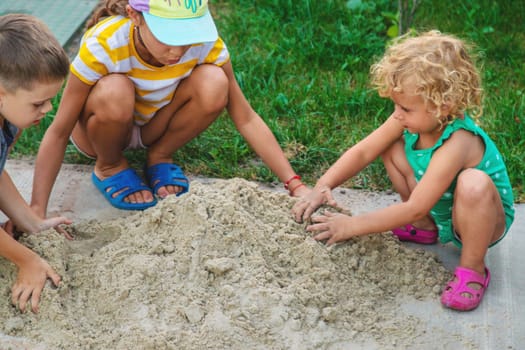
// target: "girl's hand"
[[55, 223], [308, 204], [30, 281], [64, 232], [301, 191], [335, 227]]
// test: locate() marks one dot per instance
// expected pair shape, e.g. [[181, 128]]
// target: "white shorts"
[[134, 143]]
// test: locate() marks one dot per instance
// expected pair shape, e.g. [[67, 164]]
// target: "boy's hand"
[[30, 281]]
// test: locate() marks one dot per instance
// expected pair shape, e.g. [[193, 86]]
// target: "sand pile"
[[222, 267]]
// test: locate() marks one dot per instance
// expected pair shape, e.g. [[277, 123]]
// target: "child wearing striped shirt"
[[151, 74]]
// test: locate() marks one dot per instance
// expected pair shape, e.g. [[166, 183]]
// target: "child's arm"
[[461, 151], [348, 165], [19, 212], [257, 133], [53, 145], [33, 272], [361, 154]]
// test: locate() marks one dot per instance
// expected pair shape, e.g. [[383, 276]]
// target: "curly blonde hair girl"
[[436, 66]]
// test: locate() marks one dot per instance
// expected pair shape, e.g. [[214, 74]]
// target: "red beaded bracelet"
[[295, 177]]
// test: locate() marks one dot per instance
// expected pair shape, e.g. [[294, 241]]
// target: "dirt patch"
[[223, 266]]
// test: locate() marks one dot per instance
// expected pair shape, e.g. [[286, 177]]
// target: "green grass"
[[304, 67]]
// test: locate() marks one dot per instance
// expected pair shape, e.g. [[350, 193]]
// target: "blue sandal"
[[166, 174], [124, 183]]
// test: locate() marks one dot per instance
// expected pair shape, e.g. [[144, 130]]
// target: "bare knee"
[[391, 153], [473, 186], [399, 170], [112, 99], [395, 160], [210, 88], [477, 205]]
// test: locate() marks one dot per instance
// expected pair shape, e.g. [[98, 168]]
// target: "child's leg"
[[104, 128], [478, 217], [198, 101], [479, 220], [403, 179]]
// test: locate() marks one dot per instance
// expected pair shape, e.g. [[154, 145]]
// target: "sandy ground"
[[222, 267]]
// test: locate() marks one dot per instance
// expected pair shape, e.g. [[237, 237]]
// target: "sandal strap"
[[466, 276], [127, 179], [125, 183], [164, 174], [453, 294]]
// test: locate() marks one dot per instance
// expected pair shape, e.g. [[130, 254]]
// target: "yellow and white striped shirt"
[[108, 47]]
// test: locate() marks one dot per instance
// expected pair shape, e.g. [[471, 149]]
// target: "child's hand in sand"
[[307, 205], [51, 222], [334, 227], [57, 223], [40, 226], [32, 276]]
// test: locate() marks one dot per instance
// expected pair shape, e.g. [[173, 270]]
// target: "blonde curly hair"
[[437, 67]]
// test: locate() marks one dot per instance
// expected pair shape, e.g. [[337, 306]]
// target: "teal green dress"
[[492, 164]]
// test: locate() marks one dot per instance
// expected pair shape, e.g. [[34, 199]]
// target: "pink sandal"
[[416, 235], [458, 295]]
